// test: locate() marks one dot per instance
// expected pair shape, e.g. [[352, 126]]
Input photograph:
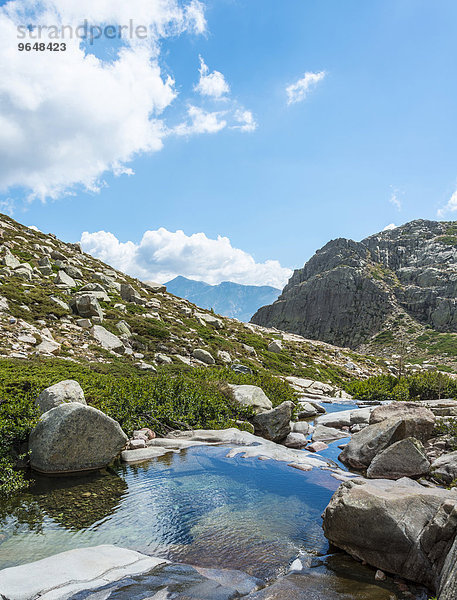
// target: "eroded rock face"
[[60, 393], [345, 292], [405, 458], [274, 424], [399, 526], [73, 437]]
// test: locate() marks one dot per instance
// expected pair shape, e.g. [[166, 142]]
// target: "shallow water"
[[196, 507]]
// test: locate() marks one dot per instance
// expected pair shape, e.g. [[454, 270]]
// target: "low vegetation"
[[176, 398], [420, 386]]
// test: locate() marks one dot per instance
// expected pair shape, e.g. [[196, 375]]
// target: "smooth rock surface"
[[328, 434], [73, 437], [60, 393], [62, 575]]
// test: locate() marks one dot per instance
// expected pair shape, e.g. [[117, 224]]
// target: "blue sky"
[[372, 143]]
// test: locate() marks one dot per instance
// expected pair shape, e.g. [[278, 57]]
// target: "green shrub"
[[175, 398], [420, 386]]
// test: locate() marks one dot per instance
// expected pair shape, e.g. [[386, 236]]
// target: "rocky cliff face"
[[348, 291]]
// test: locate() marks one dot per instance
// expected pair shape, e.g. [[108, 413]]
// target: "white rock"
[[107, 340], [63, 575], [203, 355]]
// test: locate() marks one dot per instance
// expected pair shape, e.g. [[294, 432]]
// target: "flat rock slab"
[[61, 576], [142, 454]]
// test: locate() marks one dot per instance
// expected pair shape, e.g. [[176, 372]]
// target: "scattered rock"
[[87, 306], [274, 424], [250, 395], [275, 346], [203, 355], [154, 287], [317, 446], [65, 280], [107, 340]]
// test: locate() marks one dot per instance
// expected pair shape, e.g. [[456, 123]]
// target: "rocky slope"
[[56, 300], [227, 298], [392, 287]]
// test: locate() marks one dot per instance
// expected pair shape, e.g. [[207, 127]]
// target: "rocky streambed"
[[228, 514]]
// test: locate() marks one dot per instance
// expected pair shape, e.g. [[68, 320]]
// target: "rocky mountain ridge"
[[56, 300], [227, 298], [350, 293]]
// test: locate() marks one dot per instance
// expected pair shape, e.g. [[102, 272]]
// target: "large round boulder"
[[73, 437], [60, 393]]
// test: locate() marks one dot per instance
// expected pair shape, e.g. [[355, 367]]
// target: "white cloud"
[[449, 207], [68, 118], [201, 121], [245, 120], [395, 199], [211, 84], [390, 227], [162, 255], [296, 92]]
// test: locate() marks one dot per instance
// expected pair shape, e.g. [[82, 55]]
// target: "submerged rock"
[[73, 437]]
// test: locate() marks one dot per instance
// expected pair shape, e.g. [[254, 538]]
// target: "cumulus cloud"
[[211, 84], [449, 207], [297, 92], [390, 227], [201, 121], [67, 119], [162, 255]]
